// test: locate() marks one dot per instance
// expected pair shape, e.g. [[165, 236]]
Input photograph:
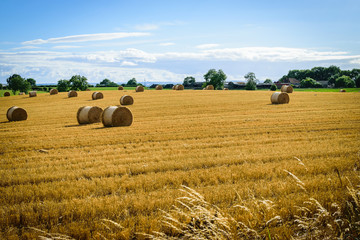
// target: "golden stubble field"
[[230, 146]]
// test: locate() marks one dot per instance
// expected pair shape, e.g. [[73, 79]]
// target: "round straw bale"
[[225, 89], [342, 90], [279, 98], [53, 91], [6, 94], [179, 87], [87, 89], [287, 88], [120, 88], [89, 114], [21, 93], [72, 93], [159, 87], [16, 114], [97, 95], [114, 116], [126, 100], [174, 87], [32, 94], [209, 87], [139, 89]]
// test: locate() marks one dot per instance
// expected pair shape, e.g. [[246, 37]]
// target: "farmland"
[[230, 146]]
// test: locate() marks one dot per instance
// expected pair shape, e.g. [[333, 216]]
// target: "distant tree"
[[309, 83], [344, 81], [268, 81], [283, 79], [273, 87], [63, 85], [251, 81], [188, 81], [17, 83], [78, 82], [31, 81], [1, 86], [107, 83], [215, 78], [132, 83]]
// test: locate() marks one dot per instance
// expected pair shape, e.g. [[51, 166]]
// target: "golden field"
[[230, 146]]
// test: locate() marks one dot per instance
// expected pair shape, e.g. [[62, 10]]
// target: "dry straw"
[[32, 94], [115, 116], [72, 93], [287, 88], [342, 90], [6, 94], [120, 88], [225, 89], [87, 89], [209, 87], [16, 114], [139, 89], [174, 87], [179, 87], [159, 87], [279, 98], [97, 95], [126, 100], [88, 114], [54, 91], [21, 93]]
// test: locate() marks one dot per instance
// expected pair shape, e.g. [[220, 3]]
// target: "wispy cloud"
[[87, 37], [167, 44], [127, 63], [206, 46], [25, 47], [66, 47], [147, 27]]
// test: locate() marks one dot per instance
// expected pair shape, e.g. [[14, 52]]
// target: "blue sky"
[[165, 41]]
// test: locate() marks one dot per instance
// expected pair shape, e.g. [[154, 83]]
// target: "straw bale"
[[53, 91], [279, 98], [139, 89], [174, 87], [16, 114], [6, 94], [209, 87], [179, 87], [97, 95], [115, 116], [159, 87], [72, 93], [88, 114], [126, 100], [342, 90], [225, 89], [32, 94], [287, 88], [120, 88]]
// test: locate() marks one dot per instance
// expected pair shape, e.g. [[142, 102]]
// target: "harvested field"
[[62, 177]]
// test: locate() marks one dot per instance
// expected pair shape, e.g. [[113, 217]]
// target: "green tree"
[[188, 81], [107, 83], [251, 81], [31, 81], [268, 81], [17, 83], [273, 87], [63, 85], [132, 83], [215, 78], [309, 83], [78, 82], [344, 81]]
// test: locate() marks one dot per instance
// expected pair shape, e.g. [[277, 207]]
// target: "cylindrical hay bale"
[[209, 87], [72, 93], [16, 114], [226, 89], [6, 94], [53, 91], [120, 88], [87, 89], [97, 95], [342, 90], [287, 88], [159, 87], [86, 115], [179, 87], [114, 116], [139, 89], [174, 87], [21, 93], [279, 98], [126, 100], [32, 94]]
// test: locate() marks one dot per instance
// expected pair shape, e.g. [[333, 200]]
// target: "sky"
[[167, 40]]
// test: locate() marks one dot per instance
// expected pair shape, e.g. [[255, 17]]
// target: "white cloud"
[[147, 27], [66, 47], [127, 63], [25, 47], [206, 46], [87, 37], [167, 44], [355, 61]]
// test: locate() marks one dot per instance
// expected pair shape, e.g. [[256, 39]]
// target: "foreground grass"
[[232, 147]]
